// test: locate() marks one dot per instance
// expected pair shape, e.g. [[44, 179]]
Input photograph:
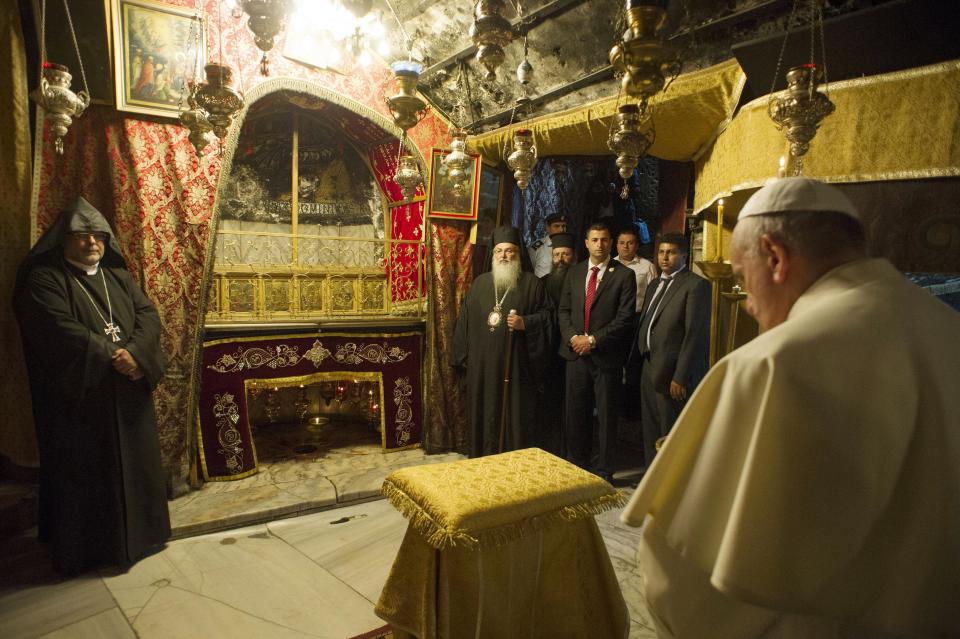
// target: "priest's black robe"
[[103, 490], [482, 353], [552, 396]]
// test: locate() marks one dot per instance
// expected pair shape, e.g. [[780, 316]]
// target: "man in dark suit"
[[673, 340], [597, 304]]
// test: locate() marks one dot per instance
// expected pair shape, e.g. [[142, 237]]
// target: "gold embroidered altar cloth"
[[502, 546]]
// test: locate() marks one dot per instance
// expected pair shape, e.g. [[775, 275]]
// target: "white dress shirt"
[[645, 272]]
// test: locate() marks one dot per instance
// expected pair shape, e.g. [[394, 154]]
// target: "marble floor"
[[315, 575], [342, 469]]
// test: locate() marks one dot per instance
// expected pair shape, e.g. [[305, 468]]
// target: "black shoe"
[[605, 476]]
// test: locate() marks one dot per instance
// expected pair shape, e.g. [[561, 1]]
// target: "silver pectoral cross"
[[113, 331]]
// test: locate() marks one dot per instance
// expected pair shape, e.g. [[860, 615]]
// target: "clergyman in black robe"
[[552, 397], [92, 345], [480, 348]]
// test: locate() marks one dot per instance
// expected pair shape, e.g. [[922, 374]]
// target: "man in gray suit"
[[597, 304], [673, 340]]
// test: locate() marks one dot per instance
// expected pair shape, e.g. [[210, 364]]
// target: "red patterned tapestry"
[[227, 448]]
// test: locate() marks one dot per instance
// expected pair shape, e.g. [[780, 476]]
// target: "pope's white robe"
[[811, 487]]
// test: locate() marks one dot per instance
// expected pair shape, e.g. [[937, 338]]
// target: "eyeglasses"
[[82, 235]]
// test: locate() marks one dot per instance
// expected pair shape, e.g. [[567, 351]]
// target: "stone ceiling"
[[569, 41]]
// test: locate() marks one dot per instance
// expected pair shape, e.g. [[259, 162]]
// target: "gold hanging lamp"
[[266, 19], [491, 32], [406, 107], [629, 142], [642, 55]]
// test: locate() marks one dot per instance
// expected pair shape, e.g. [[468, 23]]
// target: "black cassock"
[[483, 353], [103, 490], [551, 401]]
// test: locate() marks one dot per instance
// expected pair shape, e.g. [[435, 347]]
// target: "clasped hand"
[[580, 344], [124, 364]]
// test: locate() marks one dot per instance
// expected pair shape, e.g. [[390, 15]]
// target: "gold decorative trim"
[[203, 459], [442, 537], [226, 340], [402, 391], [353, 353]]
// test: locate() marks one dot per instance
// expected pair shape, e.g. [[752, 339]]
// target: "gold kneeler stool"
[[502, 547]]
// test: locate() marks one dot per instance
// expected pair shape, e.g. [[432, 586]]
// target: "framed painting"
[[155, 53], [443, 200]]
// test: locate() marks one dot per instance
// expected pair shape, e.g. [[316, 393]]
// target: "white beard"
[[506, 276]]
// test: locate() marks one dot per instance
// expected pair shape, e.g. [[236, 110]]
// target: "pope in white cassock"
[[811, 487]]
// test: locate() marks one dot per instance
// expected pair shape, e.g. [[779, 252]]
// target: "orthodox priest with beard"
[[508, 298], [92, 346]]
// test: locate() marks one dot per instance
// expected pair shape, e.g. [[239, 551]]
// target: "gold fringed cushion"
[[496, 499]]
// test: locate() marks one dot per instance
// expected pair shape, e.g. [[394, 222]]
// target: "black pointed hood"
[[81, 216]]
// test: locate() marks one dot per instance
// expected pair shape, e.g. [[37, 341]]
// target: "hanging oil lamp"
[[799, 110], [218, 98], [196, 121], [523, 157], [642, 55], [267, 19], [60, 105], [491, 32], [457, 162], [407, 175], [629, 143], [406, 107]]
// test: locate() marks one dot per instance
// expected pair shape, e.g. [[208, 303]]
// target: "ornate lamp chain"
[[73, 35], [783, 48]]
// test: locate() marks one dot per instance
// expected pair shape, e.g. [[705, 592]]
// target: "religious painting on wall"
[[155, 55], [445, 200]]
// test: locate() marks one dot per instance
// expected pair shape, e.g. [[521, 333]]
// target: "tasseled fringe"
[[441, 537]]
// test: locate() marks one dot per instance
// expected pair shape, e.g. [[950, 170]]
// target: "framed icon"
[[446, 202], [158, 50]]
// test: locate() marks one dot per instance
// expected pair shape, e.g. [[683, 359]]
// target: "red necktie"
[[588, 302]]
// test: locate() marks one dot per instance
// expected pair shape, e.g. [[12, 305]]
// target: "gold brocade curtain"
[[17, 440], [894, 126], [450, 277], [687, 118]]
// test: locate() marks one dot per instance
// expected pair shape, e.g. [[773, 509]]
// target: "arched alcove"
[[308, 283], [332, 264]]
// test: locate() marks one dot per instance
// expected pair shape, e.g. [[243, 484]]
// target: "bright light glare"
[[319, 29]]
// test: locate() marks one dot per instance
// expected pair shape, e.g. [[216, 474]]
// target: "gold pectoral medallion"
[[494, 319]]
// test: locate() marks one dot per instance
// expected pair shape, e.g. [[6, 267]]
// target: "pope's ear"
[[777, 257]]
